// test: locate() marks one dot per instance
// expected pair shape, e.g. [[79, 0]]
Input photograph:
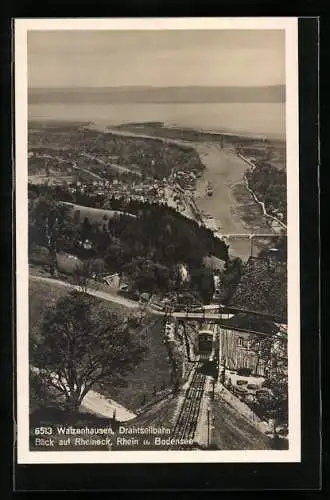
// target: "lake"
[[250, 118]]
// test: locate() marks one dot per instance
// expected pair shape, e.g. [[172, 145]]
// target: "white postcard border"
[[24, 455]]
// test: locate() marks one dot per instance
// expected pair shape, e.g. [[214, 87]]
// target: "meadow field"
[[94, 215]]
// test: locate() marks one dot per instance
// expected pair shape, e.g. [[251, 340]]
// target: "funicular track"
[[186, 423]]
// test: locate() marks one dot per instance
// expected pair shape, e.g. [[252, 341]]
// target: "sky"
[[158, 58]]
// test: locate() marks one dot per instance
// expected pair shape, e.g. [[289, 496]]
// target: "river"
[[231, 205]]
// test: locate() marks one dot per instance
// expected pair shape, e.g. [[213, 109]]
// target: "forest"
[[148, 248]]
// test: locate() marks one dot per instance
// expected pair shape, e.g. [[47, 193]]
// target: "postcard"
[[157, 240]]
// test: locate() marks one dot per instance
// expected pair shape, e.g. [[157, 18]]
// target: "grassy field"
[[161, 414], [231, 431], [41, 296], [94, 215], [152, 374]]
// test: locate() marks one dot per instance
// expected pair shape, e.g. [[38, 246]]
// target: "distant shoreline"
[[141, 94], [134, 129], [150, 129], [161, 126]]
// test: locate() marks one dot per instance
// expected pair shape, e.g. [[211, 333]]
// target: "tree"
[[263, 348], [115, 255], [76, 217], [51, 225], [43, 226], [203, 280], [83, 345], [148, 275], [230, 277], [272, 350], [87, 271], [86, 229], [277, 405], [40, 395]]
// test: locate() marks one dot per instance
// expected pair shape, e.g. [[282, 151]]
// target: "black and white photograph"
[[157, 240]]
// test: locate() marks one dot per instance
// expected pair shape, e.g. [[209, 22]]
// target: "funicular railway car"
[[205, 344], [208, 349]]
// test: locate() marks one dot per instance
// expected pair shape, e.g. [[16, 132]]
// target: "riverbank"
[[277, 225], [232, 206]]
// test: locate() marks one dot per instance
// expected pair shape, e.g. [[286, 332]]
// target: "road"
[[117, 299], [112, 296], [109, 296]]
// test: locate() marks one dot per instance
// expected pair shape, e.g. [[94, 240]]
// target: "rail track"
[[185, 426], [191, 368]]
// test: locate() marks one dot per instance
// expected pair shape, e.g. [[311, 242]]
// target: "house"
[[238, 350], [113, 280]]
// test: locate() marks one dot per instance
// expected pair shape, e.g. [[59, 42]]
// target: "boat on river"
[[209, 189]]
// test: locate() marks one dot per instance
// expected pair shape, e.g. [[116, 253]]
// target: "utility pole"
[[208, 428], [251, 244], [220, 351], [113, 423]]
